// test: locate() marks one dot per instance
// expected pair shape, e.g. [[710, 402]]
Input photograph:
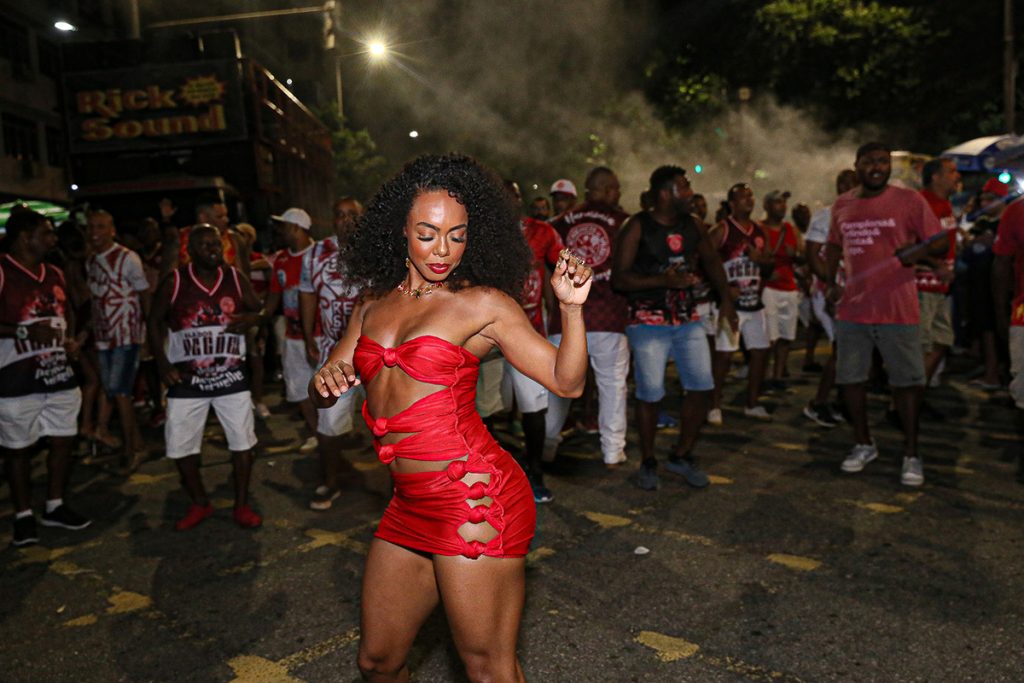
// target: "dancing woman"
[[442, 259]]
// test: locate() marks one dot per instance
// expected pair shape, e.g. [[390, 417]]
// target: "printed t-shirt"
[[740, 271], [926, 279], [590, 231], [879, 289], [115, 279], [783, 277], [545, 244], [210, 360], [226, 240], [26, 297], [817, 232], [1010, 242], [260, 277], [285, 280], [335, 297]]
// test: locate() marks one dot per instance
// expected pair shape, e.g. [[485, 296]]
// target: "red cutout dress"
[[428, 508]]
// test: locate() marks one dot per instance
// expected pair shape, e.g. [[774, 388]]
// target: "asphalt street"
[[784, 569]]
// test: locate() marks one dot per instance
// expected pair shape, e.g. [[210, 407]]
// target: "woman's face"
[[436, 233]]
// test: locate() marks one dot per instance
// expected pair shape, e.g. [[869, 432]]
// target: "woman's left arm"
[[561, 370]]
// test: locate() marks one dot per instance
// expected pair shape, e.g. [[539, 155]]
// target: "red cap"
[[994, 186]]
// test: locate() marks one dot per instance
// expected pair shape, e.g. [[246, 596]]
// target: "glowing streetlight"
[[414, 133], [377, 49], [64, 26]]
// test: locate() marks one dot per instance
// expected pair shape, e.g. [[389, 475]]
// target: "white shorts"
[[1017, 365], [338, 419], [489, 399], [708, 312], [297, 370], [186, 420], [822, 315], [753, 327], [782, 312], [26, 419], [531, 397]]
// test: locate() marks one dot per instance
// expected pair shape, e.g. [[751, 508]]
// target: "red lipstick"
[[438, 268]]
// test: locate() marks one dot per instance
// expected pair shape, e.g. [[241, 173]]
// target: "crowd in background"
[[128, 322]]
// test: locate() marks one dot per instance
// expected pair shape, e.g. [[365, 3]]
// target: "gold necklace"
[[422, 290]]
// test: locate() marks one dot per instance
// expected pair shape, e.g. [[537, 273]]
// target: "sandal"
[[325, 501]]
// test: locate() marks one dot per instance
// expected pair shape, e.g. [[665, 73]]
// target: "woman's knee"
[[490, 667], [379, 661]]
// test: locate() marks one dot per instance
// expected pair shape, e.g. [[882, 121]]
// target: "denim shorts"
[[653, 345], [900, 346], [118, 366]]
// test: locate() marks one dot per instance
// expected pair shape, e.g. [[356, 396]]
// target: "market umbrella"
[[55, 212]]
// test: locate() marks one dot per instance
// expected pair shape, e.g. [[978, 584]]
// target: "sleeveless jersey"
[[335, 297], [545, 244], [25, 297], [115, 279], [661, 247], [211, 360], [740, 271]]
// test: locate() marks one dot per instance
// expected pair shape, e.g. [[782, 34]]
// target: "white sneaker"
[[913, 472], [861, 455], [308, 446], [715, 417], [758, 413], [262, 412], [618, 459]]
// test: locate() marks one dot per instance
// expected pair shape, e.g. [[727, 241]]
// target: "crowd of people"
[[449, 302], [159, 322]]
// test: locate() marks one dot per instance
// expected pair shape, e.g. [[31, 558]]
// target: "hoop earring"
[[408, 263]]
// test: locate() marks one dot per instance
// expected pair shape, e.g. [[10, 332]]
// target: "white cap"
[[564, 186], [296, 216]]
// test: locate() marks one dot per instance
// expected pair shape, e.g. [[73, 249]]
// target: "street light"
[[377, 49], [414, 133], [64, 26]]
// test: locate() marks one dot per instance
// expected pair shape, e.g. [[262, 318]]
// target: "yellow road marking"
[[254, 669], [790, 446], [715, 479], [222, 503], [667, 648], [804, 564], [340, 539], [677, 535], [607, 521], [366, 466], [539, 554], [87, 620], [67, 568], [951, 469], [123, 602], [140, 479], [907, 497]]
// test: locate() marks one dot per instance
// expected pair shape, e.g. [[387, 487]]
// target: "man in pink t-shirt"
[[1009, 267], [880, 232]]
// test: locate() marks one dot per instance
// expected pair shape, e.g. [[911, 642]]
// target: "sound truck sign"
[[156, 106]]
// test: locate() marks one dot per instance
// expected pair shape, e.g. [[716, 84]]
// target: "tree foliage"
[[926, 72], [359, 167]]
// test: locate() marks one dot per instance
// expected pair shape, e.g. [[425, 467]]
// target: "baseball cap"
[[564, 186], [296, 216], [776, 195], [994, 186]]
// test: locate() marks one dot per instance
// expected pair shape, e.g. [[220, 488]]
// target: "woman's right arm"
[[337, 375]]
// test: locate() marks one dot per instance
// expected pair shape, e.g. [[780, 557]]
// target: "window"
[[54, 147], [21, 140], [14, 44], [49, 57]]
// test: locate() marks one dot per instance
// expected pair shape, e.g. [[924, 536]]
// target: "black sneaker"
[[821, 414], [647, 478], [65, 518], [25, 532]]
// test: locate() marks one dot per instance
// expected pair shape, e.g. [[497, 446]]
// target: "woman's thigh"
[[483, 600], [399, 593]]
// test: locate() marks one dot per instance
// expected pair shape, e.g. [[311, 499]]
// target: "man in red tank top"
[[781, 295], [38, 396], [202, 312]]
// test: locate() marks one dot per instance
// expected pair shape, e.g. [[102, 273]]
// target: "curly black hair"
[[496, 252]]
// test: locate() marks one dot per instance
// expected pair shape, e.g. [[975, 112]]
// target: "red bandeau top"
[[441, 426]]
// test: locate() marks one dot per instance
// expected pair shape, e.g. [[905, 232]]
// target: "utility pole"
[[1009, 69]]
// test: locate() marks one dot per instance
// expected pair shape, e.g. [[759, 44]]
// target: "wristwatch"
[[21, 332]]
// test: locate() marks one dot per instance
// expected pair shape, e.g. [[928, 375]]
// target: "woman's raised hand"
[[330, 382], [571, 279]]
